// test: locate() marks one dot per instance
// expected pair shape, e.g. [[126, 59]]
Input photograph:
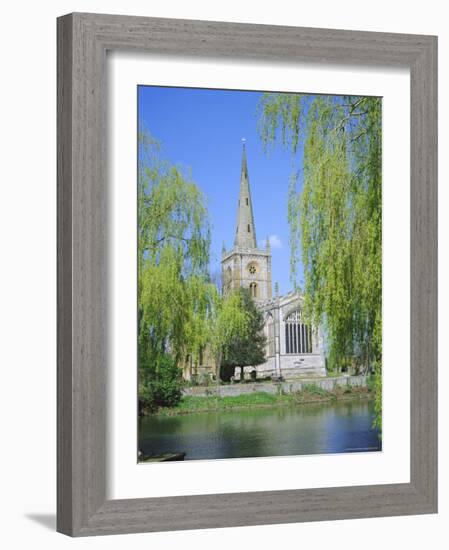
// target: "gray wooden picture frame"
[[83, 40]]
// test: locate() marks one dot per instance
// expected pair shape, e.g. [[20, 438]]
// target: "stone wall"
[[292, 386]]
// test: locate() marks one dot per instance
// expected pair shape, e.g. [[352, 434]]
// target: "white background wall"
[[27, 287]]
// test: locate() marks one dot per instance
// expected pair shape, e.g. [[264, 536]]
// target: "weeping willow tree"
[[335, 217], [174, 292], [180, 310]]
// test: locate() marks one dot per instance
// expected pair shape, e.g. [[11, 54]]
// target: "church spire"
[[246, 232]]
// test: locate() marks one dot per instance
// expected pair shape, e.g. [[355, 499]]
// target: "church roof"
[[245, 236]]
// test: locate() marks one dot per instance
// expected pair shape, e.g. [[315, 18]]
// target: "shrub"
[[162, 387], [226, 372], [314, 389]]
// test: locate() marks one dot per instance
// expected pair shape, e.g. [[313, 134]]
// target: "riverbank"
[[296, 385], [310, 393]]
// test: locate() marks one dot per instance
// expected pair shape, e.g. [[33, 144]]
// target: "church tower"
[[245, 265]]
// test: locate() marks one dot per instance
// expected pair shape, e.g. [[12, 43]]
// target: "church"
[[293, 348]]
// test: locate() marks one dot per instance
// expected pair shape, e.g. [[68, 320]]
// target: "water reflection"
[[306, 429]]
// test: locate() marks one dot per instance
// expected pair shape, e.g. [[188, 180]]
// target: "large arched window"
[[269, 332], [253, 290], [298, 335]]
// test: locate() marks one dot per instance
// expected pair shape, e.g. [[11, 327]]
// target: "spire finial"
[[244, 162], [267, 246]]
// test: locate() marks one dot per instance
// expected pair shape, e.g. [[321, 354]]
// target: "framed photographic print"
[[247, 282]]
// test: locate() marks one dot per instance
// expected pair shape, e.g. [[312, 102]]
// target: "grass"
[[311, 393]]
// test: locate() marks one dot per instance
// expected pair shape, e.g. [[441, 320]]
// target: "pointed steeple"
[[245, 236]]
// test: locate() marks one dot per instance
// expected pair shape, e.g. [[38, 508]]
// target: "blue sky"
[[202, 130]]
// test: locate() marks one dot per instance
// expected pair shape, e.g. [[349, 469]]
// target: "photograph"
[[259, 274]]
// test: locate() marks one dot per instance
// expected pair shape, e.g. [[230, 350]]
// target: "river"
[[335, 427]]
